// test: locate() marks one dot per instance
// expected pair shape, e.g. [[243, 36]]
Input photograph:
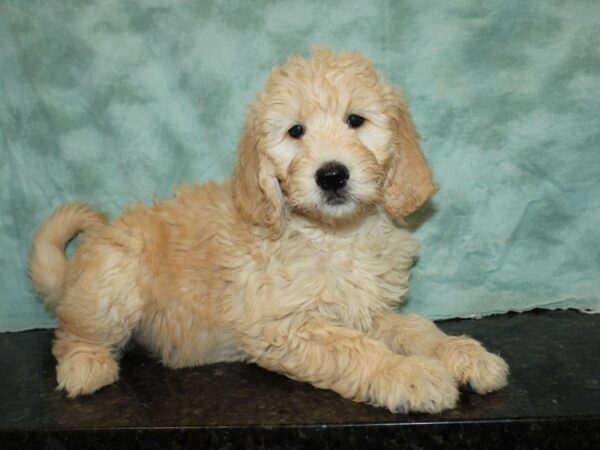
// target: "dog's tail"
[[47, 261]]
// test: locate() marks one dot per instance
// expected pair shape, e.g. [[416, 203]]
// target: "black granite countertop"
[[552, 401]]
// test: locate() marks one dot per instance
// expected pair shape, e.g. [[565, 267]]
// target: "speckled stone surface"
[[552, 401]]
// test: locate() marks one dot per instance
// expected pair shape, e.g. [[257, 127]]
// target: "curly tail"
[[47, 260]]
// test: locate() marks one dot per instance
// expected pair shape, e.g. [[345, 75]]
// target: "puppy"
[[295, 264]]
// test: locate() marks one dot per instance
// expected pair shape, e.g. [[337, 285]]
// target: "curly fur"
[[261, 268]]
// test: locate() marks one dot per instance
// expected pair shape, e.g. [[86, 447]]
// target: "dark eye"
[[296, 131], [355, 121]]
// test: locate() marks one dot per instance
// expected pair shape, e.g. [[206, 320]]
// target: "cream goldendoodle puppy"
[[295, 263]]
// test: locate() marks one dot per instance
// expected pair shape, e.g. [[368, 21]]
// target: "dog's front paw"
[[86, 372], [471, 363], [414, 383]]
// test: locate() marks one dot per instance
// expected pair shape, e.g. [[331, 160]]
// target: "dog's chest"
[[343, 278]]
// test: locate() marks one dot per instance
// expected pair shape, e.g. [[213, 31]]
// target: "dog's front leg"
[[350, 363], [466, 358]]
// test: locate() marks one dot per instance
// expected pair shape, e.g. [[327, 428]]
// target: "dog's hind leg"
[[96, 317]]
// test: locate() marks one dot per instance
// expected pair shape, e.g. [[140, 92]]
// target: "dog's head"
[[329, 139]]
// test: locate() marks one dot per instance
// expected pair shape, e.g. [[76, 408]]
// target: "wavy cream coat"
[[263, 268]]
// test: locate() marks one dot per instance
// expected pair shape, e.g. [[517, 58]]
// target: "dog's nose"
[[332, 176]]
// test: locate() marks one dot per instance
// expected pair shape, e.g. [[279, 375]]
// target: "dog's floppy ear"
[[409, 183], [256, 191]]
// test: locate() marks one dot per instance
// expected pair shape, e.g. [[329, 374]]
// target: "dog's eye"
[[355, 121], [297, 131]]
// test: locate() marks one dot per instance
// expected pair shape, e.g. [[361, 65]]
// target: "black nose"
[[332, 176]]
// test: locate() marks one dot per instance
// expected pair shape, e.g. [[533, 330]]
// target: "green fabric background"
[[115, 101]]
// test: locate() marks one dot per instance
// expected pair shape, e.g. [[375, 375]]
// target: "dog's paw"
[[414, 383], [86, 372], [471, 363]]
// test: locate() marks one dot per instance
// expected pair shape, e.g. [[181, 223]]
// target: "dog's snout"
[[332, 176]]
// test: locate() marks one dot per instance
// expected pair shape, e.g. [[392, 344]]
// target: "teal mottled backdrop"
[[114, 101]]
